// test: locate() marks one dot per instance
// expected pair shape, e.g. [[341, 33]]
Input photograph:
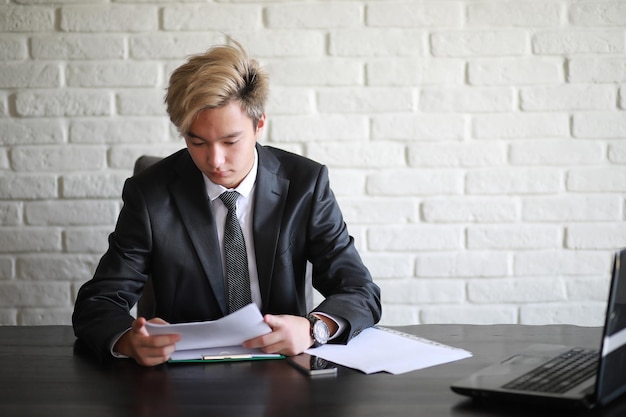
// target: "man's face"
[[221, 143]]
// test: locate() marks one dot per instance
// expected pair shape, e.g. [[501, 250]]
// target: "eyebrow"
[[229, 136]]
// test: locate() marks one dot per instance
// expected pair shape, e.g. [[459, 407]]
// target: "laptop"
[[590, 378]]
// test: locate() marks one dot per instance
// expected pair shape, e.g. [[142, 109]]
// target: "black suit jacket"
[[166, 231]]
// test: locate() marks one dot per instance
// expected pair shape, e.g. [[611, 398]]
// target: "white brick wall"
[[478, 148]]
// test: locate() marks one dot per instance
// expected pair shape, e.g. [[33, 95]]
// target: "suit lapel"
[[189, 194], [270, 197]]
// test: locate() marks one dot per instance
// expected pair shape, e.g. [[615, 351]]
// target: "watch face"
[[321, 332]]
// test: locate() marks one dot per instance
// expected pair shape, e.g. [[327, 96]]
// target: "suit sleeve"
[[102, 308], [338, 271]]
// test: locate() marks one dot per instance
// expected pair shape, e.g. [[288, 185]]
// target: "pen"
[[223, 357]]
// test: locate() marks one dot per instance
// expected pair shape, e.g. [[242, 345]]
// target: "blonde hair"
[[214, 79]]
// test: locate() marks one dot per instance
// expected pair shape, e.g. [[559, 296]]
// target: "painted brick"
[[28, 187], [568, 97], [524, 290], [596, 70], [26, 19], [29, 75], [558, 262], [10, 214], [347, 182], [124, 157], [31, 132], [556, 152], [49, 158], [283, 43], [75, 46], [319, 128], [378, 211], [413, 71], [395, 315], [34, 294], [421, 291], [526, 236], [572, 208], [31, 239], [141, 130], [419, 127], [86, 240], [617, 153], [56, 267], [469, 314], [599, 125], [211, 17], [70, 212], [45, 316], [592, 236], [462, 264], [171, 45], [578, 42], [515, 71], [594, 289], [313, 16], [7, 268], [478, 43], [378, 42], [109, 18], [112, 74], [457, 154], [364, 100], [513, 181], [466, 100], [428, 182], [358, 154], [93, 185], [409, 238], [470, 209], [602, 179], [516, 125], [290, 101], [389, 265], [583, 314], [414, 14], [8, 316], [598, 13], [313, 72], [141, 102], [531, 13], [13, 48], [64, 103]]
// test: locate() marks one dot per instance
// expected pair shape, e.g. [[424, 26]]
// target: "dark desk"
[[43, 373]]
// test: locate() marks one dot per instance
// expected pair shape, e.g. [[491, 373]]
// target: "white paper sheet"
[[231, 330], [379, 349]]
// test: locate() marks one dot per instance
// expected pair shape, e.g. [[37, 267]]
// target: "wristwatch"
[[319, 330]]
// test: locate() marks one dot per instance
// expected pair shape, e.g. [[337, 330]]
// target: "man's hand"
[[145, 349], [291, 335]]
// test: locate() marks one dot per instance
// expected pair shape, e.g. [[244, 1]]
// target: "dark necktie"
[[237, 273]]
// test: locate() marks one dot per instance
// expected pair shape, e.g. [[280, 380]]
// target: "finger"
[[139, 326]]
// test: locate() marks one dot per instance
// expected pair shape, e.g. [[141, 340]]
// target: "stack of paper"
[[380, 349]]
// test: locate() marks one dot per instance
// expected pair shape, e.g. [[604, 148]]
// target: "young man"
[[173, 229]]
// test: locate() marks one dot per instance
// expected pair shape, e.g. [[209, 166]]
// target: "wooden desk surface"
[[43, 373]]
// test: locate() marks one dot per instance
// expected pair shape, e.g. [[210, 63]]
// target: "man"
[[174, 229]]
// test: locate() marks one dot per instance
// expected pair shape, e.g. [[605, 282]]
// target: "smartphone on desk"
[[312, 365]]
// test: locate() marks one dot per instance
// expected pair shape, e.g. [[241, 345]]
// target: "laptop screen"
[[611, 381]]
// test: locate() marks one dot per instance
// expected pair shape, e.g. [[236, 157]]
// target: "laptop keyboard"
[[559, 374]]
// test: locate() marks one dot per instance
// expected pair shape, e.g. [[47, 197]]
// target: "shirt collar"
[[244, 188]]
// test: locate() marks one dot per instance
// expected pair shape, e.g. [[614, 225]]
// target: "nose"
[[216, 156]]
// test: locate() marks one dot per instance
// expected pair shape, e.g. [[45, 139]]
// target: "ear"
[[260, 125]]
